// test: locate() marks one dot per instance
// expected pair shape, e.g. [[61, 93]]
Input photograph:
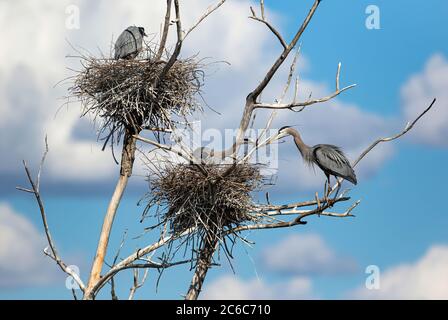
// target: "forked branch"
[[254, 95], [309, 102], [208, 12], [406, 129], [166, 26], [35, 189], [268, 24]]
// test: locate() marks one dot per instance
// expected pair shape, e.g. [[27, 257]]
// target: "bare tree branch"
[[270, 140], [262, 9], [278, 209], [35, 189], [274, 31], [209, 246], [112, 289], [253, 96], [177, 48], [301, 104], [408, 127], [209, 11], [320, 210], [157, 129], [309, 102], [128, 264], [268, 24], [127, 163], [256, 92], [183, 154], [136, 284], [166, 27], [165, 147]]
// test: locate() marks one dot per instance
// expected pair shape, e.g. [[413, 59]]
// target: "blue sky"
[[401, 223]]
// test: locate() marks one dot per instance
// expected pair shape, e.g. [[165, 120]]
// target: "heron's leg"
[[319, 205], [327, 192], [337, 190], [325, 188]]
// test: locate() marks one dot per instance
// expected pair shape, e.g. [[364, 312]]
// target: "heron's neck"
[[304, 149]]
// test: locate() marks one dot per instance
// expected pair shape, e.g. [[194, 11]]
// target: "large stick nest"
[[212, 201], [123, 94]]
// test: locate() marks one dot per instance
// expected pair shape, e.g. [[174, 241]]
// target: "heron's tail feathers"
[[352, 178]]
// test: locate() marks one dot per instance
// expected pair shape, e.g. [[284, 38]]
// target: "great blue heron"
[[329, 158], [204, 154], [129, 43]]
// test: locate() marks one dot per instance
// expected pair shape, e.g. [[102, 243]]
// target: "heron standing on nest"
[[329, 158], [129, 43]]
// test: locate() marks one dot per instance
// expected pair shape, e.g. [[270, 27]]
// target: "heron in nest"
[[329, 158], [204, 154], [129, 43]]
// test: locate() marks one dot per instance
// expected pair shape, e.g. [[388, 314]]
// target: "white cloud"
[[300, 254], [34, 60], [22, 262], [418, 92], [229, 287], [426, 278]]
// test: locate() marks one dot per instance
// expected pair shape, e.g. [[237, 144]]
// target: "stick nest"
[[122, 93], [209, 202]]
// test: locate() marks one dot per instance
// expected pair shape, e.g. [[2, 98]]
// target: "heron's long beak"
[[276, 137], [280, 135]]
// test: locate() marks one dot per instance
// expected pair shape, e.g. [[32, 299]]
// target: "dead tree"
[[201, 206]]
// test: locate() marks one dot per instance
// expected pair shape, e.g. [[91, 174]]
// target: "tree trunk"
[[127, 161], [204, 262]]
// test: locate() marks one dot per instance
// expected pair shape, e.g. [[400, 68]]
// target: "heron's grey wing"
[[127, 44], [137, 38], [331, 159], [118, 43], [124, 45]]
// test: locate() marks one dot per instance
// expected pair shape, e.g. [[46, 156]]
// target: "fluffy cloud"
[[230, 287], [35, 60], [28, 100], [426, 278], [22, 262], [418, 92], [297, 258], [300, 254]]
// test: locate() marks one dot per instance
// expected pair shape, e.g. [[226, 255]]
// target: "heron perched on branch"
[[129, 43], [329, 158]]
